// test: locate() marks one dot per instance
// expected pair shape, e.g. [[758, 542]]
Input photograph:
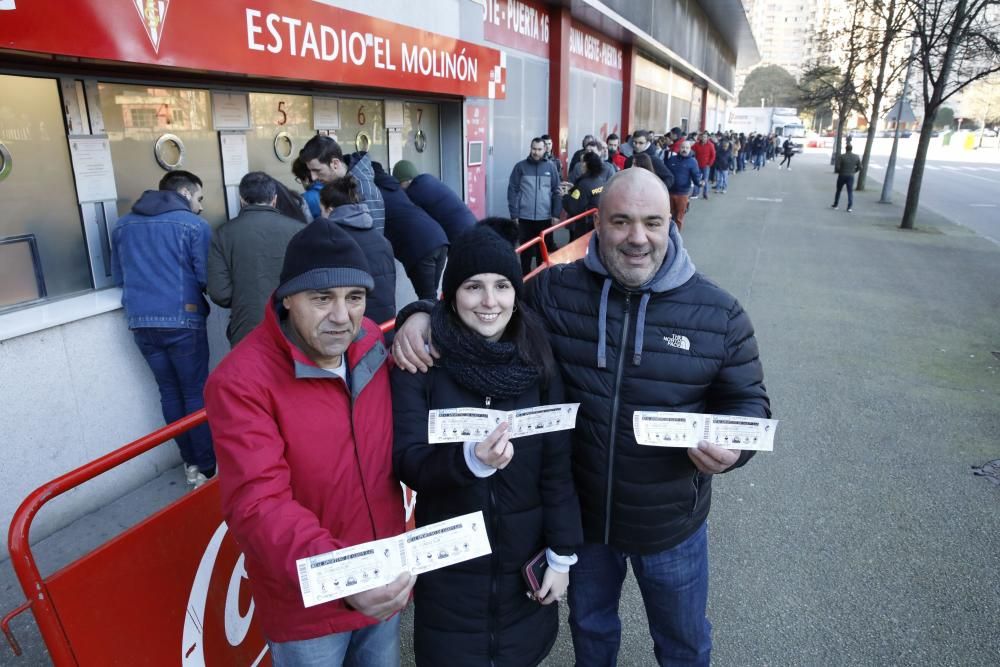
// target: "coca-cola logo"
[[218, 625]]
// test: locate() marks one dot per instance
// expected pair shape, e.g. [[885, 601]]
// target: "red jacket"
[[705, 152], [303, 468]]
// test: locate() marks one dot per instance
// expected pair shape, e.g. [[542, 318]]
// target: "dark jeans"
[[527, 230], [426, 274], [842, 180], [179, 361], [788, 159], [674, 587]]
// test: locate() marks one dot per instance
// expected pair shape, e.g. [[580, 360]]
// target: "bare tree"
[[958, 43], [889, 23], [833, 77]]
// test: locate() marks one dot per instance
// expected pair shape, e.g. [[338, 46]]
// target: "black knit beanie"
[[322, 256], [480, 250]]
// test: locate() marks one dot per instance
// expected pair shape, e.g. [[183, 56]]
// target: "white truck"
[[781, 121]]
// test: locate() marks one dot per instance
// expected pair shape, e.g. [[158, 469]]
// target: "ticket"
[[362, 567], [463, 424], [686, 429]]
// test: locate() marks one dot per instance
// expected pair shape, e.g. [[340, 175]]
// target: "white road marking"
[[931, 167], [764, 199], [983, 205], [875, 165]]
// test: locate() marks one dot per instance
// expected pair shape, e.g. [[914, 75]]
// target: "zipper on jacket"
[[614, 420], [494, 605]]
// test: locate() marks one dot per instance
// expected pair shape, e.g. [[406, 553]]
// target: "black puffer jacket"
[[476, 612], [697, 353]]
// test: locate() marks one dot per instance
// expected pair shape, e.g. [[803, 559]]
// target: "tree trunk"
[[917, 173], [872, 127]]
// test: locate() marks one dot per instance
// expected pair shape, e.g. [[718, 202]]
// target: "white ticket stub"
[[462, 424], [360, 568], [686, 429]]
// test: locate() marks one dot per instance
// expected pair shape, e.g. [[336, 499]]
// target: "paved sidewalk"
[[864, 539]]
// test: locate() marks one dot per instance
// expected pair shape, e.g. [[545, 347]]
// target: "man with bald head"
[[635, 327]]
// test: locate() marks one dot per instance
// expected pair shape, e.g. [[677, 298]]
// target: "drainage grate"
[[990, 470]]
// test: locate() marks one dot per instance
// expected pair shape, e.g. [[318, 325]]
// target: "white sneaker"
[[191, 474], [200, 479]]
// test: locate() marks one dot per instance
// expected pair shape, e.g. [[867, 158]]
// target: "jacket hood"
[[386, 181], [155, 202], [676, 270], [352, 215]]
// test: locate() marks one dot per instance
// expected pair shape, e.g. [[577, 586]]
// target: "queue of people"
[[315, 419]]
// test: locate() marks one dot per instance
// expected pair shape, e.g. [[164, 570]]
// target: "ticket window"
[[43, 252], [362, 128], [282, 124], [422, 137], [153, 129]]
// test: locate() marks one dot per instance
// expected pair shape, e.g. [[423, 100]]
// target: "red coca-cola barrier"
[[170, 590]]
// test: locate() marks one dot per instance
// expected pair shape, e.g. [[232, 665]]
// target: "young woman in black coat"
[[495, 354]]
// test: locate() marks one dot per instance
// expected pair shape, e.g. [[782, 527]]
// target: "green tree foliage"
[[945, 118], [771, 83]]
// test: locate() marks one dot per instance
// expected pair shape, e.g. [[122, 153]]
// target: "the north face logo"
[[153, 14], [678, 341]]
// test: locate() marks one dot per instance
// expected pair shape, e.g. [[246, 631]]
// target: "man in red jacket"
[[301, 415], [704, 152]]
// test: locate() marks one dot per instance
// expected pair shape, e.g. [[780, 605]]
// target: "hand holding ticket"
[[475, 424], [686, 429], [352, 570]]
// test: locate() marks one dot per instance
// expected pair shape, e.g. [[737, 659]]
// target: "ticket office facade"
[[72, 383]]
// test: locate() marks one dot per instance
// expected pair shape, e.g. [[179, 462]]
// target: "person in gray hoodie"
[[340, 201], [534, 199]]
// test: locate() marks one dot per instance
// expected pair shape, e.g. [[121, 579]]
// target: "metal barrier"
[[168, 590]]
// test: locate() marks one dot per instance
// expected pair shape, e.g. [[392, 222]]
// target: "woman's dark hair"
[[289, 203], [594, 163], [341, 191], [643, 161], [527, 331], [301, 172]]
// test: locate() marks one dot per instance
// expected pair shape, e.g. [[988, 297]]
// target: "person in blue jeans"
[[687, 346], [159, 253]]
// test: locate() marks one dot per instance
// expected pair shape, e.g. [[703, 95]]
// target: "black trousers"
[[842, 180], [527, 230], [426, 274]]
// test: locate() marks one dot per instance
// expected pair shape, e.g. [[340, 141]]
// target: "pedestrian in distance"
[[644, 505], [643, 143], [495, 354], [534, 200], [788, 151], [848, 164], [723, 164], [687, 175], [704, 152]]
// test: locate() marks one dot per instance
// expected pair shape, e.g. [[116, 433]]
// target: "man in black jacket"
[[643, 143], [635, 327]]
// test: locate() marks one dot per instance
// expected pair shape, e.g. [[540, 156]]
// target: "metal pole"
[[890, 168]]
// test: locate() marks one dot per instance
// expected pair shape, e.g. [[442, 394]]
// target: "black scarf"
[[488, 368]]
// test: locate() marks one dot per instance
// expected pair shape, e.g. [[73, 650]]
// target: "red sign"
[[519, 24], [294, 39], [476, 120], [592, 51]]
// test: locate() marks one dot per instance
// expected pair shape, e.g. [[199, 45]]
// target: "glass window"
[[135, 116], [282, 124], [38, 195]]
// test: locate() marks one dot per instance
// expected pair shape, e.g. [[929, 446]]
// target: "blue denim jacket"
[[158, 256]]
